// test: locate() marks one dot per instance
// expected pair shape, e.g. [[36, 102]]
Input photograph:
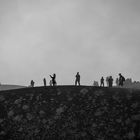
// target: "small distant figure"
[[53, 79], [102, 82], [50, 83], [117, 82], [95, 83], [107, 81], [77, 81], [32, 83], [44, 81], [110, 81], [121, 80]]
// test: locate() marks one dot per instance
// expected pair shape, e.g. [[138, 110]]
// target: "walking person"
[[53, 79], [44, 81], [102, 82], [77, 81]]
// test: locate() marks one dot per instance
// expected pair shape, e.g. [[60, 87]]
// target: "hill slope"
[[69, 112], [9, 87]]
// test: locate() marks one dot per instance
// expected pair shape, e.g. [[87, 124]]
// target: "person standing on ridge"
[[117, 82], [77, 81], [110, 80], [121, 80], [102, 82], [53, 79], [50, 83], [107, 81], [32, 83], [44, 81]]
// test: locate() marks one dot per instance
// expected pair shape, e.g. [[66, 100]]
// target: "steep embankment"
[[68, 112]]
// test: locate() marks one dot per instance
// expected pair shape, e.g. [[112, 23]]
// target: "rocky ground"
[[71, 113]]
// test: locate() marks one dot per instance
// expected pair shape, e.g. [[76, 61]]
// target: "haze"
[[94, 37]]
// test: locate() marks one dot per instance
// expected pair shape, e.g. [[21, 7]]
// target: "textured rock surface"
[[68, 112]]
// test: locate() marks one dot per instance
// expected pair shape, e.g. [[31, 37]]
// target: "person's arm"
[[51, 76]]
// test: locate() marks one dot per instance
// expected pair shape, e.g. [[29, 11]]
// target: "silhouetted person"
[[53, 79], [107, 82], [95, 83], [110, 81], [44, 81], [77, 81], [102, 82], [117, 82], [32, 83], [50, 83], [121, 80]]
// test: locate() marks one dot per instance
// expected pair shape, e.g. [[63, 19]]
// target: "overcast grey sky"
[[95, 37]]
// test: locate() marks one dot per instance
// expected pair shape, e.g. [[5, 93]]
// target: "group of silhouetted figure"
[[52, 81], [109, 80]]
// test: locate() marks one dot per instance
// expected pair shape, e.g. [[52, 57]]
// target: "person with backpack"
[[121, 80]]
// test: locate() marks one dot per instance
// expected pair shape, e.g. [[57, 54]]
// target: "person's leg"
[[53, 83], [76, 82], [119, 83], [79, 82], [101, 84]]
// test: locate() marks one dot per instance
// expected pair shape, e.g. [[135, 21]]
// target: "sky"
[[93, 37]]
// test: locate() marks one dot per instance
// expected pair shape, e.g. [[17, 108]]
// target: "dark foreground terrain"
[[71, 113]]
